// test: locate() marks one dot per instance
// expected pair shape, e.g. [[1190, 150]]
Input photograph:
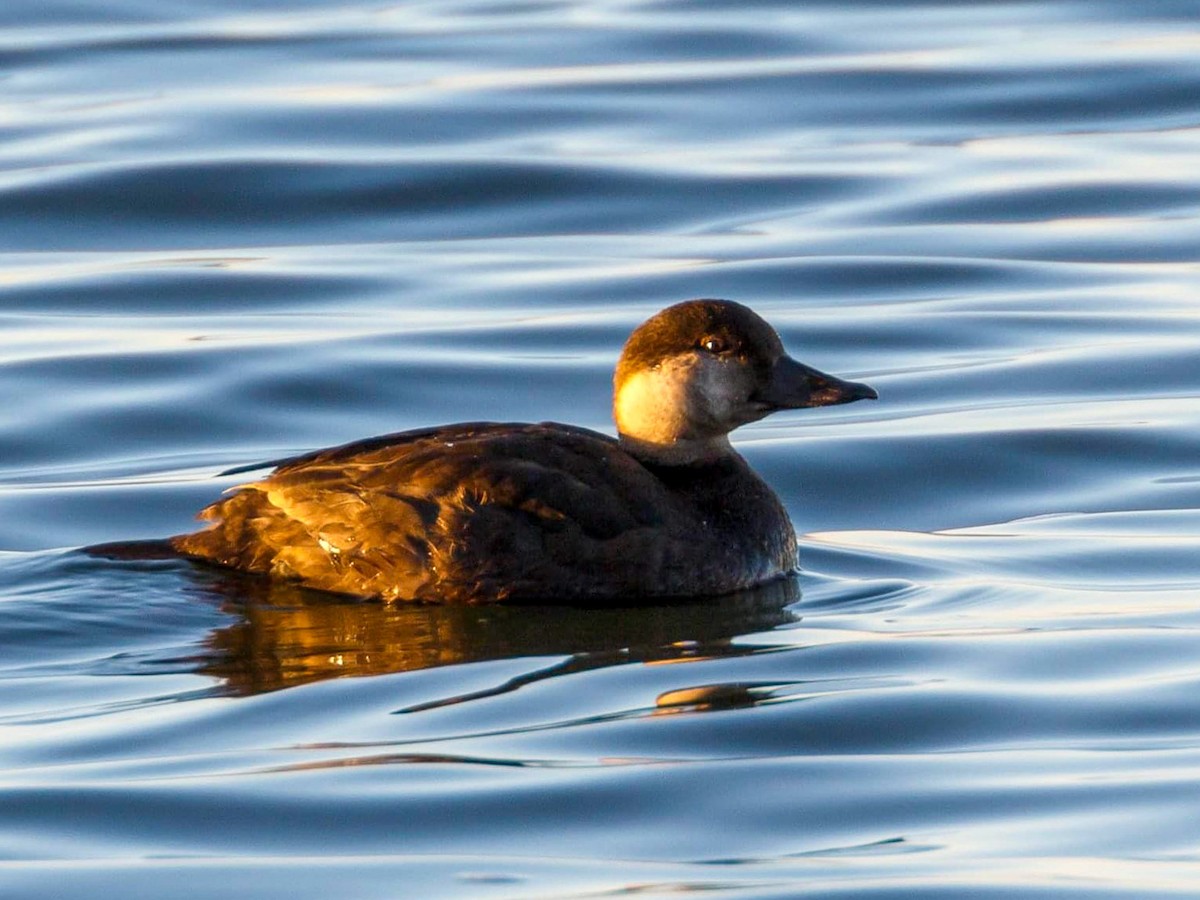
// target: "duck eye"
[[714, 344]]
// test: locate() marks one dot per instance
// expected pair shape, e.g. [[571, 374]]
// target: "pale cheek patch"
[[719, 397], [688, 397], [652, 405]]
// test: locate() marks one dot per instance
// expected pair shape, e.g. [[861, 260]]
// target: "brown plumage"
[[486, 512]]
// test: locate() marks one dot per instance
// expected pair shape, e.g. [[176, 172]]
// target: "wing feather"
[[471, 512]]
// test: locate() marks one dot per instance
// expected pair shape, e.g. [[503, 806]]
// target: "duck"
[[488, 512]]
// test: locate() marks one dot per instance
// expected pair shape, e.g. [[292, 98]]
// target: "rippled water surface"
[[230, 231]]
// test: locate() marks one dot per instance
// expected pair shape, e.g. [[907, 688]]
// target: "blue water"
[[230, 231]]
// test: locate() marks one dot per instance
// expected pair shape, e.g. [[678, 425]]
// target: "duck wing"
[[470, 513]]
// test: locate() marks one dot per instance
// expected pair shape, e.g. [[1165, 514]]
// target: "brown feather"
[[485, 512]]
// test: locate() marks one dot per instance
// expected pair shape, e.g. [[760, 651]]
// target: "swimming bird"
[[486, 512]]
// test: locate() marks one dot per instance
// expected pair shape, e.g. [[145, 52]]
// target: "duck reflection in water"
[[286, 635], [609, 536]]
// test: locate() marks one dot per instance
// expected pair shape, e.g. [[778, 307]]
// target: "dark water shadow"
[[284, 635]]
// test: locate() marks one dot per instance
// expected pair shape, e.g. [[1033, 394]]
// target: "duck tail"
[[134, 550]]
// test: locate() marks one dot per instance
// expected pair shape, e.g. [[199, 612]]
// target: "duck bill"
[[794, 385]]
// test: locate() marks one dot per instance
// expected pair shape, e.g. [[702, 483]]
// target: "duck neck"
[[682, 452]]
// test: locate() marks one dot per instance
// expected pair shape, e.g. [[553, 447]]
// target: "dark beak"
[[794, 385]]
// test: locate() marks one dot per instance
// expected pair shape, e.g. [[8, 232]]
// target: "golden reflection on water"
[[285, 636]]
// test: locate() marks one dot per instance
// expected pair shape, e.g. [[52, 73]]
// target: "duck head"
[[692, 373]]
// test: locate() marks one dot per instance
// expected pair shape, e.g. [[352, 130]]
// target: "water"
[[232, 231]]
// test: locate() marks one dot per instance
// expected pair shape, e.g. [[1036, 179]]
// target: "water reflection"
[[285, 635]]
